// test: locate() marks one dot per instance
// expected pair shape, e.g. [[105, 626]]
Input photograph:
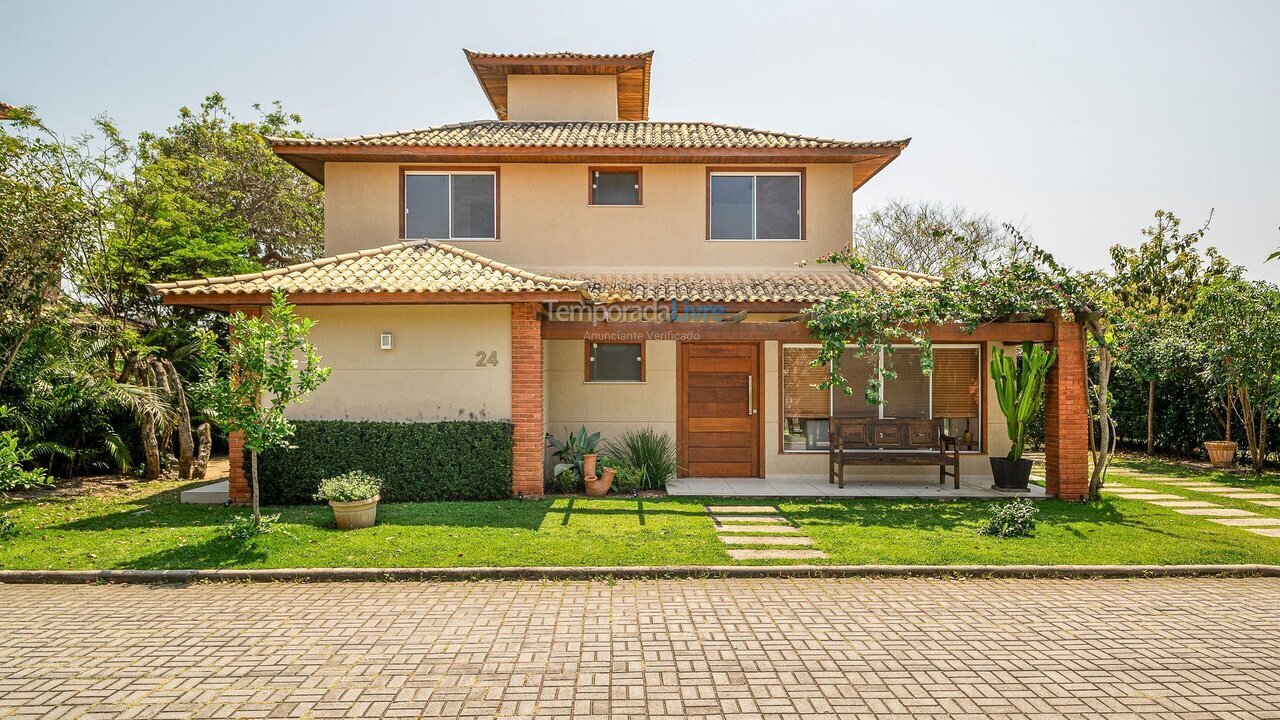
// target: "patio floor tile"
[[1267, 503], [1269, 532], [1214, 512], [764, 540], [1183, 503]]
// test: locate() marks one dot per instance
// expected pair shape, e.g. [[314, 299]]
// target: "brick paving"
[[731, 649]]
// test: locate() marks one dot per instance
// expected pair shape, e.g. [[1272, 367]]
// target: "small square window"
[[620, 186], [615, 362]]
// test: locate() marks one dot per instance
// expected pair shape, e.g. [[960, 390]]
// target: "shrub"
[[243, 527], [628, 479], [565, 482], [1016, 518], [650, 451], [454, 460], [349, 487]]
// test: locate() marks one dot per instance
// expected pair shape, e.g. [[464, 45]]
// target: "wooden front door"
[[719, 409]]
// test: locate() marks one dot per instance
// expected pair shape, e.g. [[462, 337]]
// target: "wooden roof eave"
[[310, 160]]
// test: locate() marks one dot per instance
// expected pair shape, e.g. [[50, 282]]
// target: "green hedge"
[[463, 460]]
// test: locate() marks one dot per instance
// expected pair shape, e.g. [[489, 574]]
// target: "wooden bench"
[[866, 441]]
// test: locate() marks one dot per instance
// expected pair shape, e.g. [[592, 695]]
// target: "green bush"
[[349, 487], [565, 482], [455, 460], [652, 452], [1016, 518]]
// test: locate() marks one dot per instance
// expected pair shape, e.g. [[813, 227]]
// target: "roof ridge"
[[908, 273], [558, 124]]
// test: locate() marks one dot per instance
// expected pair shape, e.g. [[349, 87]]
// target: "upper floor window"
[[451, 205], [615, 186], [756, 205]]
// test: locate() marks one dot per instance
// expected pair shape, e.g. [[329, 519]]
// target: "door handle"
[[751, 396]]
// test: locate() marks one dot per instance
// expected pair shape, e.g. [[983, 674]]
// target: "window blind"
[[799, 396], [955, 382], [907, 396]]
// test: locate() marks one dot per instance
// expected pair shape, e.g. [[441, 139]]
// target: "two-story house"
[[573, 262]]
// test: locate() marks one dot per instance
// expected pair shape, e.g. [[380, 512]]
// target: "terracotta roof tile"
[[560, 55], [800, 285], [574, 134], [413, 266]]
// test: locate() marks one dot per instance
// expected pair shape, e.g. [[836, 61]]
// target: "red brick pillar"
[[526, 400], [238, 489], [1066, 415]]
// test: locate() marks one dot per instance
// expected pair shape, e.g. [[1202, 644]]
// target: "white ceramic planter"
[[356, 514]]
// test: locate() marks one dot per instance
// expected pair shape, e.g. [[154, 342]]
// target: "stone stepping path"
[[760, 525], [764, 540], [1231, 517], [737, 528], [1247, 521], [1184, 503], [1214, 512]]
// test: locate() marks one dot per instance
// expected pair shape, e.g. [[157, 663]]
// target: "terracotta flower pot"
[[588, 465], [355, 514], [599, 486], [1222, 453]]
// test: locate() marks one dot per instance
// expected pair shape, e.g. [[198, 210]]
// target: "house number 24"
[[487, 358]]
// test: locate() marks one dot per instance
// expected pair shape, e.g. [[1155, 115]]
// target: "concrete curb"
[[312, 575]]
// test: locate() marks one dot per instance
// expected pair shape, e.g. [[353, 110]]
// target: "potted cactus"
[[1019, 385], [354, 498]]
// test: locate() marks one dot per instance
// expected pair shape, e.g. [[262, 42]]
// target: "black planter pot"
[[1011, 474]]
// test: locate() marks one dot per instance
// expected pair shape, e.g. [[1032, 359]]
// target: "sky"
[[1077, 120]]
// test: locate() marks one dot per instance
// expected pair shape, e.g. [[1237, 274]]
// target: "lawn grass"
[[145, 527]]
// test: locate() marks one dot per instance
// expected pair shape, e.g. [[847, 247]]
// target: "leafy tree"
[[207, 197], [221, 163], [931, 238], [1156, 284], [269, 365], [41, 216], [1238, 324]]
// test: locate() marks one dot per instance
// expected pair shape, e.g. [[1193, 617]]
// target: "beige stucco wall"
[[609, 408], [430, 374], [562, 97], [545, 220], [973, 466]]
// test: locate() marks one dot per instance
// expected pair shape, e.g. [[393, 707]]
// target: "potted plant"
[[1222, 453], [576, 451], [599, 486], [354, 498], [1019, 385]]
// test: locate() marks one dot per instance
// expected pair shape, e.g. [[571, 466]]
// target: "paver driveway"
[[688, 648]]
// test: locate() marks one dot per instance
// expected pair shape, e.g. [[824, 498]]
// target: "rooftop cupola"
[[565, 85]]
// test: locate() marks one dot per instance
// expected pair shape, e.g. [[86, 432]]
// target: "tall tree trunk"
[[1106, 438], [150, 426], [253, 473], [202, 454], [183, 428], [1151, 417]]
